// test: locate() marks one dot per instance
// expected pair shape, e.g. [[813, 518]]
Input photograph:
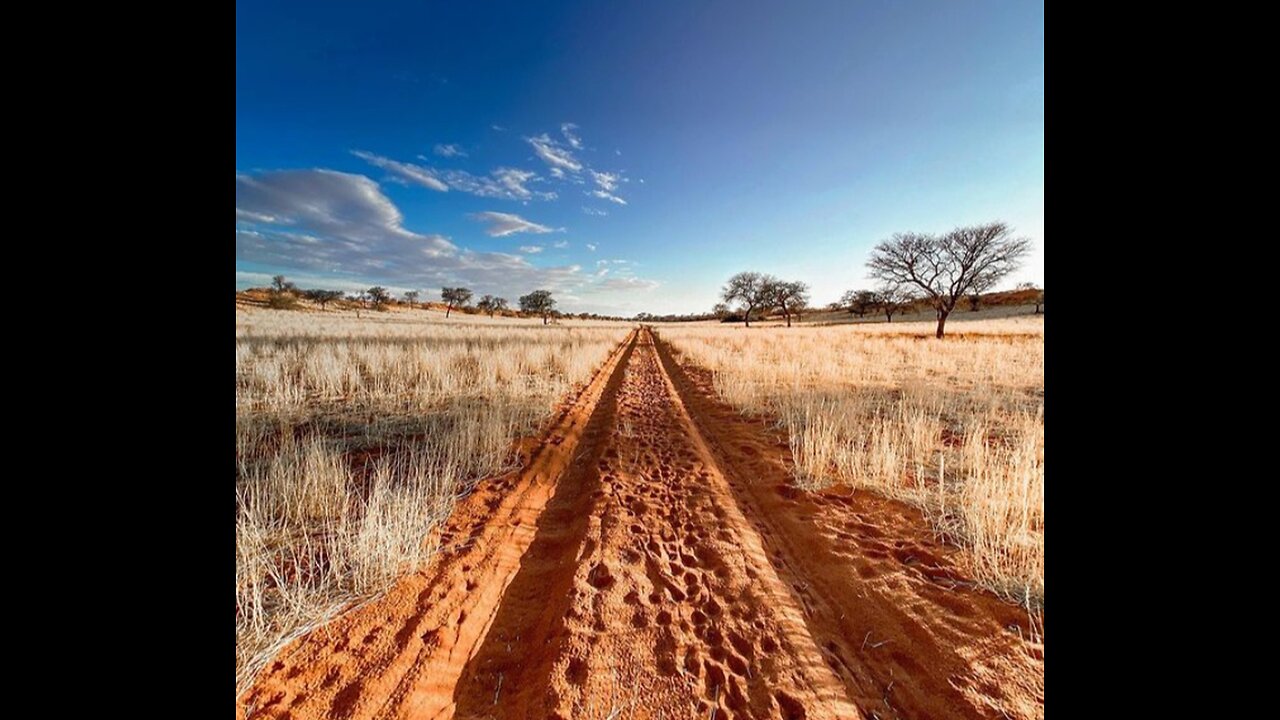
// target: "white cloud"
[[503, 224], [606, 195], [553, 153], [561, 243], [591, 247], [449, 150], [505, 183], [602, 272], [405, 171], [593, 211], [606, 181], [628, 283], [324, 228], [574, 141], [608, 186], [531, 249]]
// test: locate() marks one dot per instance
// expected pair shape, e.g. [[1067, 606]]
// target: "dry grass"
[[355, 437], [954, 426]]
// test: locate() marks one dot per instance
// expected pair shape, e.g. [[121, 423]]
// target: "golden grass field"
[[955, 427], [358, 436], [354, 437]]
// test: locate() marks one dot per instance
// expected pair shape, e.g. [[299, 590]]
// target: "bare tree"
[[280, 285], [538, 302], [454, 297], [411, 297], [751, 290], [789, 296], [949, 266], [893, 299]]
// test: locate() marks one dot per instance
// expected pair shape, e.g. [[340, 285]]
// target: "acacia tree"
[[538, 302], [789, 296], [379, 296], [751, 290], [491, 304], [411, 297], [721, 311], [322, 297], [454, 297], [946, 267], [859, 302], [893, 299]]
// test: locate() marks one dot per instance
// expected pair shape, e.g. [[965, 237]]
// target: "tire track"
[[402, 654], [883, 599]]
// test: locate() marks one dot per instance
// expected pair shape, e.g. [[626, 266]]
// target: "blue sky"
[[628, 156]]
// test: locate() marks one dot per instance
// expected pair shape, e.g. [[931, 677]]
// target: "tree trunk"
[[544, 319], [447, 310], [942, 322], [888, 316], [747, 317], [1037, 310], [787, 315]]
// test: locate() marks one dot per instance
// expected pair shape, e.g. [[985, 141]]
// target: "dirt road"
[[652, 561]]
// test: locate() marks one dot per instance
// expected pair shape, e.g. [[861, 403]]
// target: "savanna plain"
[[480, 517]]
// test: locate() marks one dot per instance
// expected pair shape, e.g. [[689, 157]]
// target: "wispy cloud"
[[593, 211], [591, 247], [608, 184], [417, 174], [561, 244], [606, 195], [567, 129], [553, 153], [531, 249], [504, 183], [449, 150], [503, 224]]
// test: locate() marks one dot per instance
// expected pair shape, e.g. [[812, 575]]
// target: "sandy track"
[[645, 564]]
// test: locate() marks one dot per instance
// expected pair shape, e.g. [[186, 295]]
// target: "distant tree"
[[859, 302], [893, 299], [283, 295], [379, 296], [788, 296], [491, 304], [454, 297], [411, 297], [538, 302], [322, 297], [751, 290], [947, 267], [1038, 298], [280, 285], [721, 311]]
